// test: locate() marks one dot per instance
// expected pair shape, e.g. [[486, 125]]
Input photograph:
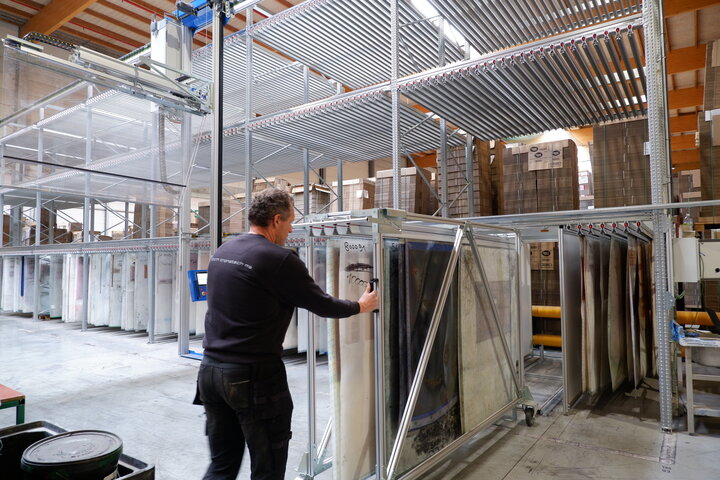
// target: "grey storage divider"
[[570, 298]]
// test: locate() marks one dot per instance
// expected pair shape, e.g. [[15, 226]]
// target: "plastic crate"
[[14, 440]]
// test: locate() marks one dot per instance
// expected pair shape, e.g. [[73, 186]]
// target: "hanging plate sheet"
[[352, 367], [486, 380]]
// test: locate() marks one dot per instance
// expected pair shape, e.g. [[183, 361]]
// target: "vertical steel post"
[[52, 222], [248, 115], [339, 191], [185, 210], [86, 212], [518, 319], [469, 175], [184, 240], [395, 99], [444, 197], [306, 152], [126, 223], [151, 279], [660, 184], [216, 162], [379, 272], [36, 259], [312, 404]]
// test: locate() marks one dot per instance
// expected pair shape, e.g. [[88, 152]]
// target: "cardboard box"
[[416, 196], [482, 200], [358, 194], [319, 198], [621, 170], [232, 213], [550, 188]]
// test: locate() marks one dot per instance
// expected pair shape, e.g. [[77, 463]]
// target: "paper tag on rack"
[[545, 156]]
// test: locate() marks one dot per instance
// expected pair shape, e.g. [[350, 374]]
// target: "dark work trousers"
[[246, 404]]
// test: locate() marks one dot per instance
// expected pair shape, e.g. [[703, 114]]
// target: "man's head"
[[272, 211]]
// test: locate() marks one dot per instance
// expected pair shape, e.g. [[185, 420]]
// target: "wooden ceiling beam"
[[676, 7], [686, 59], [54, 15], [682, 142], [684, 158], [15, 11], [143, 34], [685, 97], [106, 33], [683, 123], [94, 39], [124, 11]]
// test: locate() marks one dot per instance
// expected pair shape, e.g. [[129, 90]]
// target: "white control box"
[[709, 259], [686, 260]]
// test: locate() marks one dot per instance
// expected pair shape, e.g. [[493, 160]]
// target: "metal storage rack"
[[472, 245], [550, 67]]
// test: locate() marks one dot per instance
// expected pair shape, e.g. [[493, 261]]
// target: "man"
[[254, 284]]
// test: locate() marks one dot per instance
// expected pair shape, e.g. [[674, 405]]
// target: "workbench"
[[702, 404]]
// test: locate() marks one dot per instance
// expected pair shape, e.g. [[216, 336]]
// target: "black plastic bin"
[[14, 440]]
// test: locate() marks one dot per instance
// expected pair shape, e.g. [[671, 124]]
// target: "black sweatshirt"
[[253, 288]]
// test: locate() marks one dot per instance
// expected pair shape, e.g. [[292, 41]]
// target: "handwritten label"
[[354, 247]]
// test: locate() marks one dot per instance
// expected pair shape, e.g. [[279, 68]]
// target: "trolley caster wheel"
[[529, 416]]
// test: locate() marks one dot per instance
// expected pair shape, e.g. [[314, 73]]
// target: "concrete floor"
[[110, 380]]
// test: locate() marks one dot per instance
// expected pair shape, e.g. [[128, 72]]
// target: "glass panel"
[[486, 380], [62, 124], [417, 268]]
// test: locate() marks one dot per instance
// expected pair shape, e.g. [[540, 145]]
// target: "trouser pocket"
[[238, 390]]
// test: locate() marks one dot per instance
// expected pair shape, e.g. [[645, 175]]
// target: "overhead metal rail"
[[490, 26], [349, 40], [581, 78], [163, 244], [353, 127]]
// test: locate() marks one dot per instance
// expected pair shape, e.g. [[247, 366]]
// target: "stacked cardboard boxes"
[[481, 181], [232, 214], [416, 195], [358, 194], [165, 221], [621, 170], [271, 182], [497, 177], [540, 178], [319, 198]]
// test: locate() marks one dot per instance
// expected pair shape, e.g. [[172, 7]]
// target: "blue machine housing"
[[198, 285]]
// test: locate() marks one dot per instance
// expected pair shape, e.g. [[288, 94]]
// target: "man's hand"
[[368, 301]]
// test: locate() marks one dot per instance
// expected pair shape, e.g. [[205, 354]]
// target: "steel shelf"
[[492, 26], [556, 83], [278, 81], [349, 40], [353, 127]]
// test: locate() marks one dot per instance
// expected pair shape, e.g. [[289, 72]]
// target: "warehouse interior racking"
[[368, 80]]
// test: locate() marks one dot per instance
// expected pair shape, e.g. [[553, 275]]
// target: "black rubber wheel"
[[529, 416]]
